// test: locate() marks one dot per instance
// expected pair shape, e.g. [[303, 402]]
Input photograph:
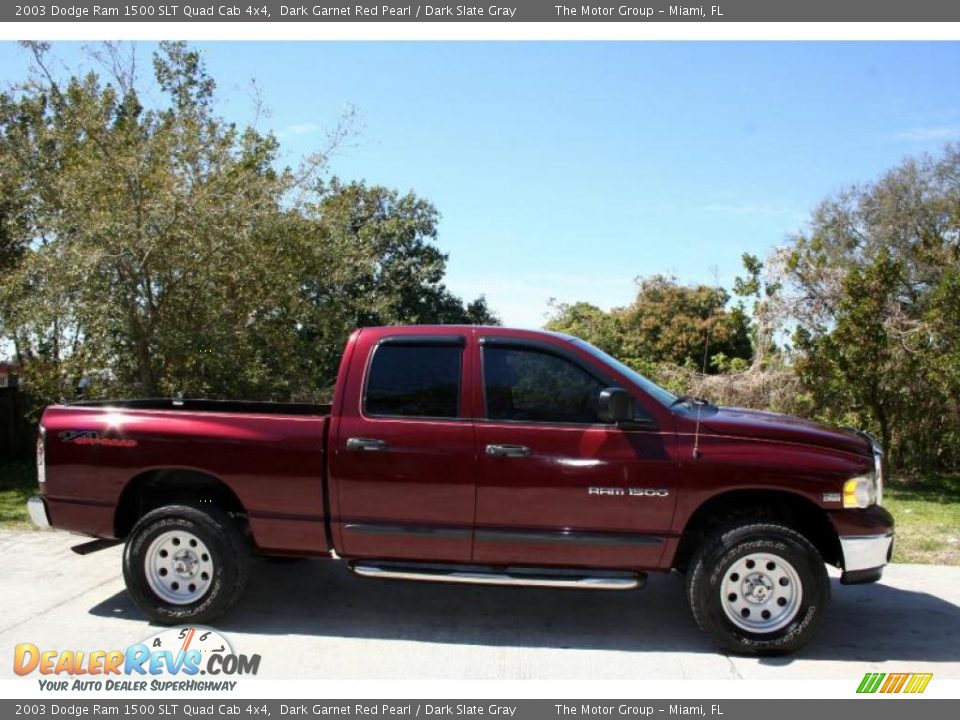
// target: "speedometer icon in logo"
[[193, 650], [204, 640]]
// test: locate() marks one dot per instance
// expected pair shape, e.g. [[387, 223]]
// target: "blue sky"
[[565, 170]]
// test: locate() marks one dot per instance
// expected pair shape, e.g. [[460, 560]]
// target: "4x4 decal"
[[92, 437]]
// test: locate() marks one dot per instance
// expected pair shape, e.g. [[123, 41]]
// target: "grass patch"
[[927, 512], [18, 481]]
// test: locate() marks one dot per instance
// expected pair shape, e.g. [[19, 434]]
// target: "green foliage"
[[871, 295], [667, 323], [154, 250], [764, 295], [878, 295], [673, 323], [723, 364], [927, 510], [18, 482], [750, 285], [588, 322]]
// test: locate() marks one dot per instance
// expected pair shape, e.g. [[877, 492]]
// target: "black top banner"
[[855, 11]]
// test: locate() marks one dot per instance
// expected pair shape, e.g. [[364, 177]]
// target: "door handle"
[[508, 451], [366, 444]]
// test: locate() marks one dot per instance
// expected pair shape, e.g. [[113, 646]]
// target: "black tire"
[[731, 548], [228, 553]]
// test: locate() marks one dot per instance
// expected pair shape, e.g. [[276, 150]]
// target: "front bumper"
[[37, 509], [864, 557], [866, 542]]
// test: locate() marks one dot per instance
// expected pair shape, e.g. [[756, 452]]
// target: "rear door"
[[401, 466], [557, 486]]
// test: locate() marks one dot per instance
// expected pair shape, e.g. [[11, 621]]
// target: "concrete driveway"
[[314, 614]]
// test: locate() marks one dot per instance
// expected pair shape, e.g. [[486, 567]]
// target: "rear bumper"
[[37, 509]]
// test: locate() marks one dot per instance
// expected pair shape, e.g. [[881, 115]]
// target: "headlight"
[[860, 492], [866, 490]]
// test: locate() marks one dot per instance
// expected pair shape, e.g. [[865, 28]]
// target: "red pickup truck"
[[477, 455]]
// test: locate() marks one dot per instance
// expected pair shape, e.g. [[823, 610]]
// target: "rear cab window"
[[415, 379]]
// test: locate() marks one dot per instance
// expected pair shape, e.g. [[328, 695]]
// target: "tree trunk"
[[145, 372], [880, 415]]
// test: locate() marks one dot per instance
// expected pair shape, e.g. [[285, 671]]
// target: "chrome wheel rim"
[[761, 593], [178, 567]]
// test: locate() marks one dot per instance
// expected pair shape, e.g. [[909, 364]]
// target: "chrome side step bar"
[[479, 575]]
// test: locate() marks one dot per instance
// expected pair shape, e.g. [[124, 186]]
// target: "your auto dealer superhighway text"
[[405, 710]]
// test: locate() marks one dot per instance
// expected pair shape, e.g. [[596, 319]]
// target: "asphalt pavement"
[[314, 615]]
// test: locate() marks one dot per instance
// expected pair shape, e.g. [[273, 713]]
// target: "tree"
[[155, 250], [379, 267], [398, 271], [667, 324], [674, 323], [765, 311], [590, 323], [874, 294]]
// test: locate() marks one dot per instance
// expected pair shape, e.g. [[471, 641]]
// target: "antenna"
[[703, 370]]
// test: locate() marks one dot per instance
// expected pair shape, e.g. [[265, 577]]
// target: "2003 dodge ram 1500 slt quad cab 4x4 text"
[[479, 455]]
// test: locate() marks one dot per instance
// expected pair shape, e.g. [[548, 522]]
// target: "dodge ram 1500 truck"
[[476, 455]]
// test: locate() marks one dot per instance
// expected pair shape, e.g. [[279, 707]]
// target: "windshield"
[[648, 386]]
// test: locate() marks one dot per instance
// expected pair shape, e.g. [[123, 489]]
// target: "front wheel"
[[183, 564], [758, 589]]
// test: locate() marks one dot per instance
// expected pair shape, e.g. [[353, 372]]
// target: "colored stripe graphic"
[[894, 682], [864, 683], [918, 683], [870, 682]]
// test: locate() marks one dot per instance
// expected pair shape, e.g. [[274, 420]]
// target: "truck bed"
[[268, 458]]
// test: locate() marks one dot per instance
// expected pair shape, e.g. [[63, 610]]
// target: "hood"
[[772, 426]]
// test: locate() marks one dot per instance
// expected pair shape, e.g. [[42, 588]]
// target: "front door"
[[402, 466], [557, 486]]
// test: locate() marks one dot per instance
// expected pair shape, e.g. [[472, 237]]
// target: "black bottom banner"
[[781, 709]]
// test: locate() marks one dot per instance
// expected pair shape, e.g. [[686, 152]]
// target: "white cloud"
[[929, 134], [306, 128], [745, 209], [773, 213]]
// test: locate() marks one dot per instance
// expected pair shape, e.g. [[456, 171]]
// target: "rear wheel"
[[183, 564], [758, 588]]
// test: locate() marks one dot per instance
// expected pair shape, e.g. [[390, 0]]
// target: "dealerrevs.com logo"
[[178, 659]]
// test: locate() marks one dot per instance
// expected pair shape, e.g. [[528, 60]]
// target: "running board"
[[95, 546], [516, 576]]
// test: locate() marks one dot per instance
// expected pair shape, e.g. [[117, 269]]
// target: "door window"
[[527, 385], [414, 381]]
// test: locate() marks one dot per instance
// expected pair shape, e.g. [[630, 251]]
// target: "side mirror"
[[616, 405]]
